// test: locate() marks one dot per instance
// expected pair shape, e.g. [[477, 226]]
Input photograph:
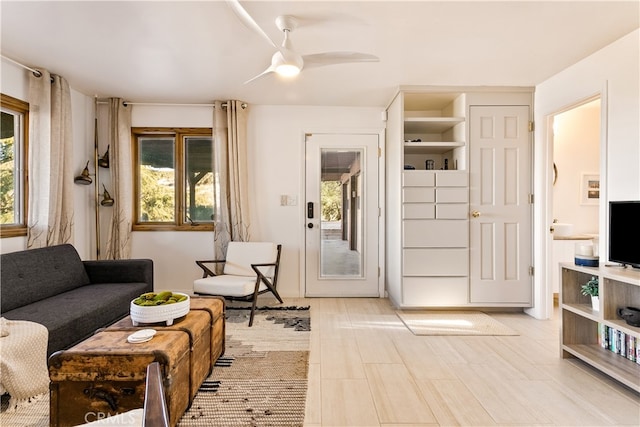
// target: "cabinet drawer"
[[418, 211], [451, 179], [452, 195], [418, 195], [419, 179], [435, 262], [452, 211], [446, 233], [434, 291]]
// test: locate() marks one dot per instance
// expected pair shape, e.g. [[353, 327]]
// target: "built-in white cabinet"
[[435, 237], [428, 210]]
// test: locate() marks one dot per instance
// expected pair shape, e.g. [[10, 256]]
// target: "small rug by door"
[[436, 322]]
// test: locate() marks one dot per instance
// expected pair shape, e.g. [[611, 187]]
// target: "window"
[[174, 179], [13, 166]]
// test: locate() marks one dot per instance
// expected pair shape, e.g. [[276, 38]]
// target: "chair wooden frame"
[[260, 277]]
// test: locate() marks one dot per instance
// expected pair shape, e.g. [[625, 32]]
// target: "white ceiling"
[[195, 52]]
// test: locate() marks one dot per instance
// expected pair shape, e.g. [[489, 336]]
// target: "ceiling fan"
[[286, 61]]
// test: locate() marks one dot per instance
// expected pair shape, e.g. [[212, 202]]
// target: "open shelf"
[[413, 125], [581, 326], [614, 365], [438, 147]]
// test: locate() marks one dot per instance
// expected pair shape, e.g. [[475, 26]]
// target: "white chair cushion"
[[226, 285], [240, 256]]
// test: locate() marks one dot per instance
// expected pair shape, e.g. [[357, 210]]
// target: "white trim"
[[543, 289]]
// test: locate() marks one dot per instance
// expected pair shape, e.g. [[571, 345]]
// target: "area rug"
[[437, 322], [261, 380]]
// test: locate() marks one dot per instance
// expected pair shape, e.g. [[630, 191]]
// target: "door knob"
[[310, 225], [475, 214]]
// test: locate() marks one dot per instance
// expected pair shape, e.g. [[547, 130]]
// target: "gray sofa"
[[72, 298]]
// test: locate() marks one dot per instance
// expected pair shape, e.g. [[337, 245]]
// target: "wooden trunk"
[[215, 307], [197, 325], [105, 375]]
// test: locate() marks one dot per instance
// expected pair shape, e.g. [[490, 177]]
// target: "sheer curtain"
[[232, 221], [50, 220], [119, 238]]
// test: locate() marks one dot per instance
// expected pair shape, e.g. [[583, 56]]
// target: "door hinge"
[[379, 152], [532, 126], [378, 271], [530, 198], [531, 270]]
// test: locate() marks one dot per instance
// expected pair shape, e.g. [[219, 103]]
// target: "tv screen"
[[624, 232]]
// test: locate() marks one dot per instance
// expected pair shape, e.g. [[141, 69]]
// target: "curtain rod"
[[35, 72], [125, 103]]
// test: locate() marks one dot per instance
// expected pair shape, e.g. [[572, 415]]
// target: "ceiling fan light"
[[288, 70]]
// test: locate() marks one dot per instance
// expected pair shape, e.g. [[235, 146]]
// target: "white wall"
[[613, 72]]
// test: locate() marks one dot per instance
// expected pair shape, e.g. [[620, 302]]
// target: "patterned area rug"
[[437, 322], [260, 381], [262, 378]]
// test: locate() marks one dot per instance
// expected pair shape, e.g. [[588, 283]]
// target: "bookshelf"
[[581, 332]]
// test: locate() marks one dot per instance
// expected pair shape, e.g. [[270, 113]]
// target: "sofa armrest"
[[120, 271]]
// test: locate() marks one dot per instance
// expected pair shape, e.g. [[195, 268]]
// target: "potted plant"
[[591, 288]]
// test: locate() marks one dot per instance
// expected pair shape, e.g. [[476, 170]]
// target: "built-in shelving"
[[434, 128], [581, 330], [413, 125]]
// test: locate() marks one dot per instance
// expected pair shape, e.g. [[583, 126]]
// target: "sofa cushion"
[[85, 309], [36, 274]]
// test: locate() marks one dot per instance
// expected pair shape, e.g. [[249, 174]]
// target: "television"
[[624, 232]]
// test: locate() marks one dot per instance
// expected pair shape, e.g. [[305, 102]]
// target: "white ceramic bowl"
[[159, 313]]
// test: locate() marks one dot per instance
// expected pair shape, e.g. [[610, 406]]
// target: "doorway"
[[575, 202], [341, 238]]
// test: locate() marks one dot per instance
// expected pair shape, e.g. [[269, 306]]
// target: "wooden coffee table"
[[105, 374]]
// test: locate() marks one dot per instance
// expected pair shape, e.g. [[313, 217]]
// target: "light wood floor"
[[367, 369]]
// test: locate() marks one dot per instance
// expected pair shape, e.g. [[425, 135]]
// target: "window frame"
[[180, 134], [20, 107]]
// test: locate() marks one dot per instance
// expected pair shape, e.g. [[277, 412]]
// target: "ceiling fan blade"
[[271, 69], [248, 21], [333, 58]]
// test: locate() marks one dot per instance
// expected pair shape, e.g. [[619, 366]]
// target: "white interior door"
[[341, 215], [500, 222]]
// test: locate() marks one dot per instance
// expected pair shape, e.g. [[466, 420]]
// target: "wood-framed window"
[[173, 179], [14, 144]]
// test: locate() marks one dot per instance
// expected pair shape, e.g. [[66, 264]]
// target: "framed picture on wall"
[[590, 189]]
